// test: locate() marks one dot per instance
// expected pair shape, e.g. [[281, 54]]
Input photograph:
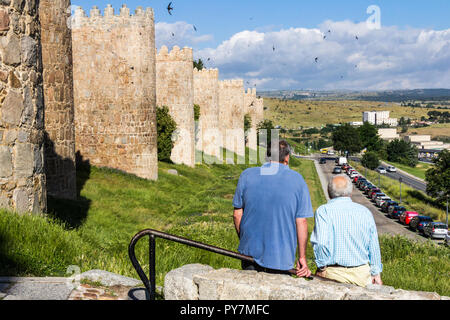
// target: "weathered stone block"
[[12, 108], [6, 166], [11, 50]]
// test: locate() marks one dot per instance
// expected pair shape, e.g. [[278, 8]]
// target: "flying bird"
[[170, 8], [356, 37], [273, 47], [329, 31], [173, 34], [195, 28], [316, 59], [324, 37]]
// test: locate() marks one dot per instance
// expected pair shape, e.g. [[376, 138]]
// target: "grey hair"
[[335, 191]]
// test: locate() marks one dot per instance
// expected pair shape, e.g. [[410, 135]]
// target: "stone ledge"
[[200, 282]]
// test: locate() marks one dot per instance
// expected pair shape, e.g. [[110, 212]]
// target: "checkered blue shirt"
[[345, 234]]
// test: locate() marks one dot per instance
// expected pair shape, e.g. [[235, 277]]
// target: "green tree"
[[370, 160], [370, 139], [346, 138], [196, 112], [438, 177], [166, 126], [247, 122], [402, 152], [199, 64], [265, 125]]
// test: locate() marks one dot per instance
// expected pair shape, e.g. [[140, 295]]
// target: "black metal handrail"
[[150, 284]]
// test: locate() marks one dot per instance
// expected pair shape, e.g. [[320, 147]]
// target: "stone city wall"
[[255, 108], [56, 40], [115, 89], [202, 282], [206, 95], [22, 176], [231, 114], [175, 90]]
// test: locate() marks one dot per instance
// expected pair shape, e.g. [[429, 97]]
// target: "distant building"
[[356, 123], [379, 118], [424, 142], [388, 134]]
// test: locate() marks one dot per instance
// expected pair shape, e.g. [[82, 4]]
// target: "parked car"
[[417, 223], [406, 217], [380, 200], [372, 192], [391, 169], [322, 161], [354, 174], [385, 206], [337, 170], [447, 240], [360, 181], [381, 170], [396, 211], [366, 187], [355, 179], [436, 230], [376, 195]]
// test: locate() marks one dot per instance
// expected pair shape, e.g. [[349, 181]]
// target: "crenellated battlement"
[[251, 93], [235, 83], [209, 73], [177, 54], [109, 18]]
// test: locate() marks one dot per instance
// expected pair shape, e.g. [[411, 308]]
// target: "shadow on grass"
[[72, 213]]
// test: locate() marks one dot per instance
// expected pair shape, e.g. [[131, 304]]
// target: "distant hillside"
[[316, 113], [441, 95]]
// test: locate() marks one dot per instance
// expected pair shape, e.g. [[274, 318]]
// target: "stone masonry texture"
[[175, 90], [231, 106], [115, 89], [206, 95], [59, 150], [201, 282], [255, 108], [22, 176]]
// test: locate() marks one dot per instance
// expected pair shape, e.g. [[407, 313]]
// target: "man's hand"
[[302, 268], [377, 280]]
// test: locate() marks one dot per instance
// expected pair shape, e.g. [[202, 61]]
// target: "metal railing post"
[[152, 264]]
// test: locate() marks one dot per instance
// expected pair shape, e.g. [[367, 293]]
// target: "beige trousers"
[[359, 276]]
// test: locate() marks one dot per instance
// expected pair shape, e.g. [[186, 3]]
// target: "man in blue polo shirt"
[[271, 205]]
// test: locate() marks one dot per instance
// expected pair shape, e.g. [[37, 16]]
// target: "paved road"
[[384, 224], [415, 183]]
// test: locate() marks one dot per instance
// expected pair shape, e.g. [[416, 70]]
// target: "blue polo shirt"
[[272, 197]]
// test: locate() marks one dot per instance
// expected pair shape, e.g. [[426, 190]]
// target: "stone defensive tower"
[[115, 89], [206, 95], [231, 106], [175, 89], [22, 176], [56, 41], [255, 108]]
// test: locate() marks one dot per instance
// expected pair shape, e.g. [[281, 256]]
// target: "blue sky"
[[237, 36]]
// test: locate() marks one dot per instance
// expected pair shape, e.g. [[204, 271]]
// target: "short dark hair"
[[284, 150]]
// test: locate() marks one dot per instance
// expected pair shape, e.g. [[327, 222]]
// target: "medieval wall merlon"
[[207, 73], [177, 54], [110, 18], [235, 83]]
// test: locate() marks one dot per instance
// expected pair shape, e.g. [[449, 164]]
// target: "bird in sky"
[[273, 48], [356, 37], [329, 31], [316, 59], [324, 37], [173, 34], [195, 28], [170, 8]]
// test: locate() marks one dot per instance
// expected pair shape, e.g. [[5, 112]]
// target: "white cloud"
[[388, 58], [179, 33]]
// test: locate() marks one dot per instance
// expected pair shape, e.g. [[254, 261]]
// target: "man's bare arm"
[[237, 216], [302, 236]]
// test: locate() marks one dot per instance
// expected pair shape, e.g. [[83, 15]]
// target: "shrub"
[[166, 126], [370, 160]]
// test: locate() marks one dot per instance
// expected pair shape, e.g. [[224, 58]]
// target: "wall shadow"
[[72, 212]]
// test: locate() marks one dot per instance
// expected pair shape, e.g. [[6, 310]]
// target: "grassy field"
[[292, 114], [94, 231], [419, 171], [435, 130], [412, 199]]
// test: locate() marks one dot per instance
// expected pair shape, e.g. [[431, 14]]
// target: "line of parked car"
[[416, 222]]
